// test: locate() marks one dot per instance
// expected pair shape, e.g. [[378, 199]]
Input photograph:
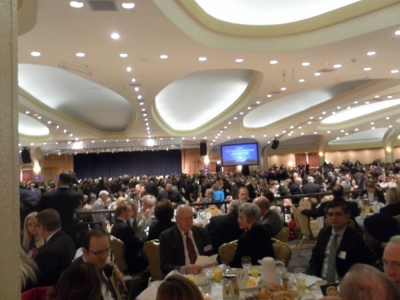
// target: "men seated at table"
[[256, 241], [96, 249], [337, 192], [391, 261], [225, 228], [311, 187], [58, 250], [338, 246], [181, 244], [209, 196], [134, 257], [171, 194], [270, 219]]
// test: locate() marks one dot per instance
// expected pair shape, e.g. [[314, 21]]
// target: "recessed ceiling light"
[[240, 136], [258, 102], [123, 55], [366, 102], [194, 137], [317, 74], [249, 107], [301, 80], [229, 123], [241, 113], [229, 137], [390, 97], [333, 113], [370, 53], [264, 135], [143, 109], [376, 96], [239, 60], [144, 115], [27, 112], [355, 102], [367, 69], [136, 89], [309, 122], [372, 123], [387, 118], [277, 134], [346, 133], [139, 97], [302, 133], [338, 107], [115, 36], [39, 117], [283, 89], [356, 129], [372, 127], [48, 122], [324, 112], [328, 131], [338, 138], [80, 54], [128, 5], [252, 136], [305, 64], [129, 69], [348, 107], [35, 53], [291, 127], [315, 132], [397, 32], [342, 130], [235, 118], [394, 71], [163, 56], [58, 126], [202, 58], [390, 126], [133, 79], [337, 66], [320, 118], [273, 62], [76, 4], [300, 127], [269, 96]]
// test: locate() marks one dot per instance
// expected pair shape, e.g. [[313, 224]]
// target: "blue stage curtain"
[[133, 163]]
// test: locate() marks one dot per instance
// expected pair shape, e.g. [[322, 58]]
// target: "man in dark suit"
[[233, 189], [209, 196], [252, 188], [225, 228], [96, 249], [338, 246], [296, 189], [310, 187], [58, 250], [337, 192], [170, 194], [65, 201], [270, 220], [122, 230], [181, 244]]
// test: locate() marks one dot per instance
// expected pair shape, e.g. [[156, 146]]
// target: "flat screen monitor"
[[239, 154]]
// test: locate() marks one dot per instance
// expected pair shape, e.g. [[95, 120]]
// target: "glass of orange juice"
[[217, 274]]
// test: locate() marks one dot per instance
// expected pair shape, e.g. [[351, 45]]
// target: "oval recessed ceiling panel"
[[366, 136], [30, 126], [82, 99], [195, 99]]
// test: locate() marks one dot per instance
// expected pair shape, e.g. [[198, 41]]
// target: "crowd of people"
[[137, 209]]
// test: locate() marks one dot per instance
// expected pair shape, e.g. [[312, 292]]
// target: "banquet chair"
[[282, 235], [118, 251], [303, 223], [397, 218], [282, 251], [152, 251], [305, 203], [213, 210], [37, 293], [227, 252]]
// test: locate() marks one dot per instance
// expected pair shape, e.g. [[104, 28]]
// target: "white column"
[[9, 214]]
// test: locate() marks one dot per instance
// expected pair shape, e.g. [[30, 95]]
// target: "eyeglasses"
[[392, 265], [330, 215], [101, 253], [185, 219]]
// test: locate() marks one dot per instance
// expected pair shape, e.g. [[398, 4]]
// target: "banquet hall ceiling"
[[177, 72]]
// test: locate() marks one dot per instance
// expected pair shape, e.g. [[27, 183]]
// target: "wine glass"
[[209, 268], [246, 263]]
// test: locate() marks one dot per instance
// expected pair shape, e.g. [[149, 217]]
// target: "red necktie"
[[190, 249]]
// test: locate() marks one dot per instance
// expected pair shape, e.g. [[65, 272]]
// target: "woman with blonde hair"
[[29, 271], [393, 202], [177, 287], [31, 240]]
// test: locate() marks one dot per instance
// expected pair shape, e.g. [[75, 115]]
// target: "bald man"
[[270, 219], [181, 244]]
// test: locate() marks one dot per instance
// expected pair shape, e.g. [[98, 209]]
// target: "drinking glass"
[[209, 269], [300, 276], [246, 263]]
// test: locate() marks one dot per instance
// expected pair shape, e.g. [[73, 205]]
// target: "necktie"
[[190, 249], [134, 224], [331, 269], [128, 223], [109, 288]]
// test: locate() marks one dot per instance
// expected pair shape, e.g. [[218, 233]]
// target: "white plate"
[[246, 287]]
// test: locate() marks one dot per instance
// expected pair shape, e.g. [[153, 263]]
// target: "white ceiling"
[[238, 91]]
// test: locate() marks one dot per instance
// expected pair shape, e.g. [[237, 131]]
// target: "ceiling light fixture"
[[367, 69], [239, 60], [370, 53], [80, 54], [301, 80], [283, 89], [123, 55], [394, 71], [337, 66], [128, 5], [76, 4], [273, 62], [35, 53], [163, 56], [129, 69], [115, 36], [317, 74], [397, 32], [305, 64], [202, 58]]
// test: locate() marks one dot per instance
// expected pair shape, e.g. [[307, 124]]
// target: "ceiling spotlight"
[[283, 89], [128, 5], [133, 79], [367, 69], [337, 66], [136, 89], [239, 60], [301, 80], [76, 4], [80, 54], [115, 36], [305, 64], [394, 71], [202, 58], [129, 69], [371, 53], [35, 53], [317, 74], [163, 56], [123, 55], [273, 62], [269, 96]]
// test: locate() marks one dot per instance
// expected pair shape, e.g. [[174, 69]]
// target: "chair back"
[[213, 210], [118, 250], [227, 252], [303, 222], [282, 251], [397, 218], [305, 203], [152, 251], [37, 293], [283, 235]]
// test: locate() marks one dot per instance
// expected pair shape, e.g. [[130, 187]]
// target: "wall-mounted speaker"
[[275, 144], [203, 148], [26, 156]]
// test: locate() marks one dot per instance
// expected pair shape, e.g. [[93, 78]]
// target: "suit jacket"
[[252, 191], [311, 188], [64, 201], [234, 190], [378, 194], [133, 246], [256, 243], [295, 190], [175, 196], [391, 209], [172, 252], [319, 211], [352, 247], [156, 229], [108, 271], [223, 229], [272, 222], [54, 257], [98, 205]]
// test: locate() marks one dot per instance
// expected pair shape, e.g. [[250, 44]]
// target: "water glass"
[[246, 263]]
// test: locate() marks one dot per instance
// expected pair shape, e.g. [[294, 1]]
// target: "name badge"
[[207, 248], [342, 255]]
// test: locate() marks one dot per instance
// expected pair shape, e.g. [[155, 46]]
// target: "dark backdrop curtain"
[[133, 163]]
